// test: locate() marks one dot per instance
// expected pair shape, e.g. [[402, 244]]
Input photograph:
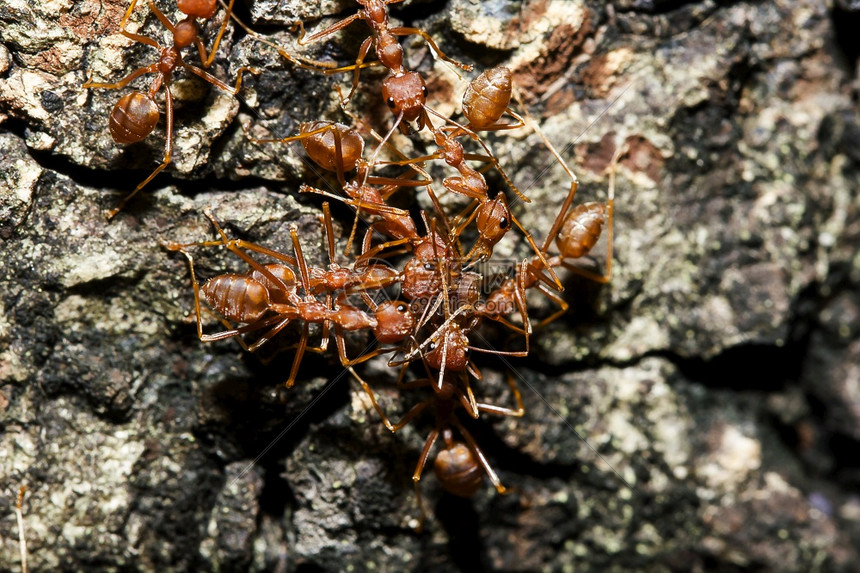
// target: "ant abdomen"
[[276, 291], [236, 297], [204, 9], [322, 149], [458, 471], [487, 97], [133, 117], [581, 230]]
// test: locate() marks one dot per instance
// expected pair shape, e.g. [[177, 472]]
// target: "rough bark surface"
[[716, 375]]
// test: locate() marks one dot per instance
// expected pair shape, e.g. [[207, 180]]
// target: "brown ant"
[[403, 91], [493, 217], [575, 232], [136, 114], [270, 290], [459, 466]]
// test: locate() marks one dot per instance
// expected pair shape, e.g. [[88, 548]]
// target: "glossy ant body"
[[461, 464], [136, 114], [403, 91]]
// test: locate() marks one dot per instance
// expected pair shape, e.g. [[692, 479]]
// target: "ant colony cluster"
[[415, 284]]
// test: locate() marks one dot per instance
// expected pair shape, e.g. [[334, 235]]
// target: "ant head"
[[322, 147], [133, 117], [494, 220], [394, 322], [198, 8], [458, 471], [456, 355], [421, 280], [405, 94], [433, 247]]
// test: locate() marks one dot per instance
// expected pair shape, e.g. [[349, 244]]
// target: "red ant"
[[459, 466], [403, 91], [363, 196], [575, 233], [136, 114], [271, 289], [493, 217]]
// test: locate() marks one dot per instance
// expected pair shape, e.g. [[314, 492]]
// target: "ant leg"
[[374, 208], [362, 53], [345, 360], [290, 138], [366, 387], [473, 445], [153, 69], [137, 37], [258, 325], [467, 399], [127, 15], [300, 259], [160, 15], [520, 122], [539, 252], [194, 285], [433, 45], [329, 231], [517, 412], [168, 149], [269, 334], [214, 49], [419, 469], [328, 31], [366, 256], [297, 360], [19, 517], [218, 83], [558, 299], [304, 63]]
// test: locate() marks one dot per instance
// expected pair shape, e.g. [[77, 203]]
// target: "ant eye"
[[401, 308], [428, 266], [390, 102], [503, 223], [424, 91], [431, 347]]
